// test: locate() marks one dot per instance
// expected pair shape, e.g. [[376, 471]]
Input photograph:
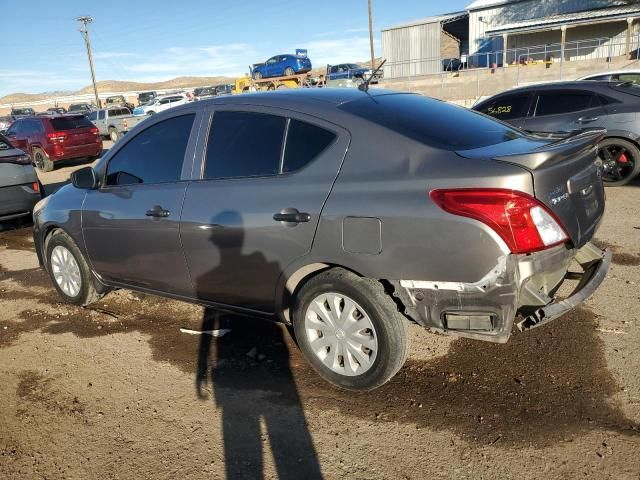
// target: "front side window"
[[507, 107], [554, 103], [244, 144], [155, 155], [93, 116]]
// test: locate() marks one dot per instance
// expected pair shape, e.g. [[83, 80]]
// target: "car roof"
[[611, 72], [335, 96], [582, 84]]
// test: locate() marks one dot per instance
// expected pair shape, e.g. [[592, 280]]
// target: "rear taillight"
[[35, 186], [125, 124], [94, 130], [56, 137], [524, 223]]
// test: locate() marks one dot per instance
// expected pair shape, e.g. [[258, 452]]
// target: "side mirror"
[[84, 178]]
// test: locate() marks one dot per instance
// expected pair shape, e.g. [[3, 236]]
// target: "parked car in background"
[[118, 101], [348, 71], [146, 97], [5, 122], [203, 92], [81, 108], [160, 104], [22, 112], [281, 65], [569, 106], [20, 188], [271, 204], [114, 122], [224, 89], [619, 76], [48, 140], [58, 110]]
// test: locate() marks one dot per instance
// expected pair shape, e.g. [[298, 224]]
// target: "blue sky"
[[144, 40]]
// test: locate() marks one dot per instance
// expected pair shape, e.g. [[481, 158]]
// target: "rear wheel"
[[69, 271], [349, 330], [151, 112], [620, 161], [42, 161], [113, 134], [289, 71]]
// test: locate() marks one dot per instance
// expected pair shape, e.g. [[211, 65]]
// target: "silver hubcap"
[[65, 271], [341, 334]]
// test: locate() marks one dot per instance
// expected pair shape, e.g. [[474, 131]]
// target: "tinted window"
[[552, 103], [629, 77], [243, 144], [101, 115], [14, 128], [70, 123], [164, 101], [155, 155], [304, 143], [506, 107], [93, 116], [432, 122]]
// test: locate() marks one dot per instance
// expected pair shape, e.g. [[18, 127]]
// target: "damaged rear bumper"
[[486, 310]]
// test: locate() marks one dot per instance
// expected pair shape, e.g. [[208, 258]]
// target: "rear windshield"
[[70, 123], [432, 122]]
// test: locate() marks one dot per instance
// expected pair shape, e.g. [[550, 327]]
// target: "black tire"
[[87, 293], [289, 72], [616, 172], [151, 113], [42, 161], [257, 75], [389, 324], [114, 135]]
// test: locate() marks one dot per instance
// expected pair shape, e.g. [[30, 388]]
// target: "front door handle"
[[158, 212], [587, 119], [291, 215]]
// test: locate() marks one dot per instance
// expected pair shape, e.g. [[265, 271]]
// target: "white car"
[[615, 76], [160, 104]]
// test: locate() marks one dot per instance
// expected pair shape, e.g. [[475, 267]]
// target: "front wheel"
[[620, 161], [69, 270], [349, 330], [257, 75]]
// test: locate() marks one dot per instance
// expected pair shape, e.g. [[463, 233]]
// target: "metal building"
[[418, 47]]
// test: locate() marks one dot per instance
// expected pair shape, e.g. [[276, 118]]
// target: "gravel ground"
[[117, 391]]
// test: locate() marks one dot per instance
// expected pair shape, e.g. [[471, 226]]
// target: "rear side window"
[[244, 144], [70, 123], [304, 143], [506, 107], [433, 122], [554, 103], [629, 77], [155, 155]]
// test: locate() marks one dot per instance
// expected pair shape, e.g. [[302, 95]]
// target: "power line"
[[84, 31]]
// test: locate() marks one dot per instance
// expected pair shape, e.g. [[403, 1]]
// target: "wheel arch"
[[293, 280]]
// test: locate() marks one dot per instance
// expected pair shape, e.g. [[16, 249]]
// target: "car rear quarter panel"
[[389, 180]]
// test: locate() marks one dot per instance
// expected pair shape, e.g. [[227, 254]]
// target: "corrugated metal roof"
[[479, 4], [546, 23], [447, 17]]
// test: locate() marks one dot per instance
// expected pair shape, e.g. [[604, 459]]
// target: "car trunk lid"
[[565, 176]]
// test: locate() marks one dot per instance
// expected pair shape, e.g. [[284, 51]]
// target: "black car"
[[204, 92], [565, 107], [17, 113], [225, 89], [82, 108], [146, 97]]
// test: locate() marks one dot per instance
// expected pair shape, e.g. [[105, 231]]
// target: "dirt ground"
[[116, 390]]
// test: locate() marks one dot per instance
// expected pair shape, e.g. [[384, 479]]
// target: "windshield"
[[93, 116], [433, 122]]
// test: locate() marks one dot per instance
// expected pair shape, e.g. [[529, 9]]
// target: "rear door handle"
[[291, 215], [587, 119], [158, 212]]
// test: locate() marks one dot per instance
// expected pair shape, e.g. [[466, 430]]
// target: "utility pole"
[[84, 31], [373, 56]]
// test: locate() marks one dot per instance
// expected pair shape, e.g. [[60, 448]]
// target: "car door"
[[257, 205], [270, 67], [17, 135], [564, 110], [131, 223], [511, 108]]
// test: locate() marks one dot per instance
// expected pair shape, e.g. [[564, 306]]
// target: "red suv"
[[51, 139]]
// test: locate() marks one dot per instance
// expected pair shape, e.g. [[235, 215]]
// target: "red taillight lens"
[[94, 130], [524, 223], [56, 137], [35, 187]]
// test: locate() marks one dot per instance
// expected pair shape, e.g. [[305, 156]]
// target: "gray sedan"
[[346, 214], [19, 185]]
